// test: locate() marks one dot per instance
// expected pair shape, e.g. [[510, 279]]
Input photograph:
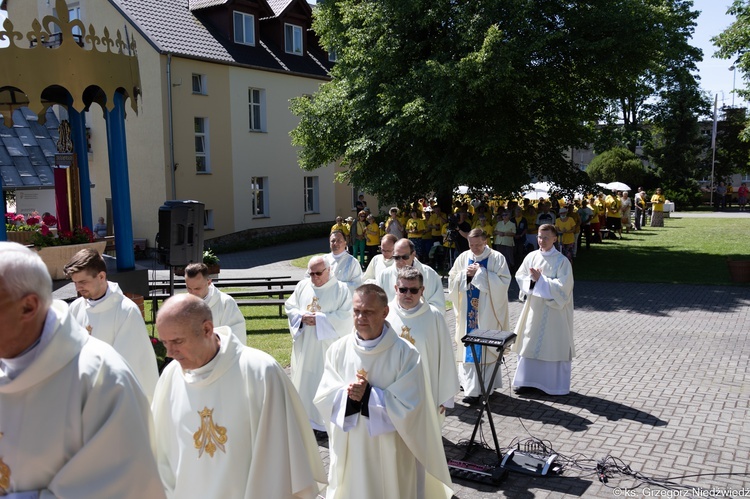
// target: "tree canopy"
[[431, 94], [617, 164]]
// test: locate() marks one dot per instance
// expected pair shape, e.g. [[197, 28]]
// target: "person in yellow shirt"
[[487, 228], [372, 238], [657, 209], [596, 225], [415, 229], [614, 215], [435, 224], [566, 227], [529, 213], [359, 236], [573, 215], [340, 225]]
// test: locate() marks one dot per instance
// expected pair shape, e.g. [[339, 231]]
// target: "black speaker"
[[180, 239]]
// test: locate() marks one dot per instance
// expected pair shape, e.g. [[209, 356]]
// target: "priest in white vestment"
[[74, 421], [404, 253], [424, 326], [380, 262], [319, 312], [544, 343], [382, 423], [224, 309], [478, 287], [110, 316], [344, 266], [229, 423]]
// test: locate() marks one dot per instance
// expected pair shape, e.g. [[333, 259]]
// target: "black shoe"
[[470, 400], [520, 390], [320, 435]]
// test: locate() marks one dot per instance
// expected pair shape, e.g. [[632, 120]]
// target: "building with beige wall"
[[229, 70]]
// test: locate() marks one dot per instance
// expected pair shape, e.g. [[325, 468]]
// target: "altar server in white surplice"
[[110, 316], [478, 287], [344, 266], [404, 253], [545, 327], [73, 420], [320, 312], [229, 423], [424, 326], [382, 423], [381, 262], [224, 309]]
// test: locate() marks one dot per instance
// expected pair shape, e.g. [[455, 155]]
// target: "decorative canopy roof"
[[27, 150], [68, 74]]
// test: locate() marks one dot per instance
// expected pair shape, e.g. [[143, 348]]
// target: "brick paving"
[[659, 381]]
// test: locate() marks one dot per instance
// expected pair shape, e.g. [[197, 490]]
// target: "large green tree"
[[617, 164], [431, 94], [640, 100]]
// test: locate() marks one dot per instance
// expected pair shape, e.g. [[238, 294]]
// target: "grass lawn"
[[684, 251]]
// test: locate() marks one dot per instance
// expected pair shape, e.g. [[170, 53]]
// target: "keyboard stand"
[[485, 398]]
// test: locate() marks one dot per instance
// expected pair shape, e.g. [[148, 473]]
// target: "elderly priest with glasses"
[[319, 312]]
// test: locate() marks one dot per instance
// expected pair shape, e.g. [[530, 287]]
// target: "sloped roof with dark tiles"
[[278, 6], [172, 28], [27, 150], [202, 4]]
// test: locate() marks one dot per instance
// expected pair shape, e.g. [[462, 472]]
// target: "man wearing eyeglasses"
[[404, 254], [319, 312], [478, 287], [344, 266], [424, 326], [381, 262], [381, 420]]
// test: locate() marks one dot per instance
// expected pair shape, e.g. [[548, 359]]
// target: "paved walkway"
[[659, 381]]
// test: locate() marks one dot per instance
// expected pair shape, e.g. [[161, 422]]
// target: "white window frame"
[[200, 89], [203, 136], [256, 108], [208, 219], [246, 20], [293, 34], [259, 197], [311, 195]]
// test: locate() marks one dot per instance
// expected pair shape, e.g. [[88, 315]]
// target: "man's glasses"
[[413, 291], [316, 274], [401, 257]]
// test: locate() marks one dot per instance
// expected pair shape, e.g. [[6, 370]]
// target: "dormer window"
[[244, 28], [293, 39]]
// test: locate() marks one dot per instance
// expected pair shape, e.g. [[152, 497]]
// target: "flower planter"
[[21, 237], [739, 270], [55, 257]]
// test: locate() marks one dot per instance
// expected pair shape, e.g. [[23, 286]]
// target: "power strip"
[[530, 464]]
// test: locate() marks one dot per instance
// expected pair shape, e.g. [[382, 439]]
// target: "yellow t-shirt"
[[613, 206], [342, 227], [415, 227], [373, 234], [566, 225], [657, 202]]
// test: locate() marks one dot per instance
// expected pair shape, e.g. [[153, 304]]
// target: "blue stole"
[[472, 314]]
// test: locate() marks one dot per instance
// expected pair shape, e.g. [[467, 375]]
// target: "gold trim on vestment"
[[209, 436]]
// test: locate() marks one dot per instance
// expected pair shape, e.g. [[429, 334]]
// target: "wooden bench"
[[264, 302]]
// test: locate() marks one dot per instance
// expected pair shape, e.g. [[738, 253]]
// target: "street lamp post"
[[733, 69]]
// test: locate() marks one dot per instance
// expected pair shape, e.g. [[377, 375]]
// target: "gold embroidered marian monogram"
[[89, 328], [210, 436], [314, 306], [4, 475], [362, 373], [406, 334]]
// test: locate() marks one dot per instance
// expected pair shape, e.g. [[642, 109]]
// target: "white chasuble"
[[427, 330], [332, 305], [367, 460], [116, 320], [376, 266], [346, 269], [234, 428], [545, 326], [225, 312], [490, 309], [74, 422]]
